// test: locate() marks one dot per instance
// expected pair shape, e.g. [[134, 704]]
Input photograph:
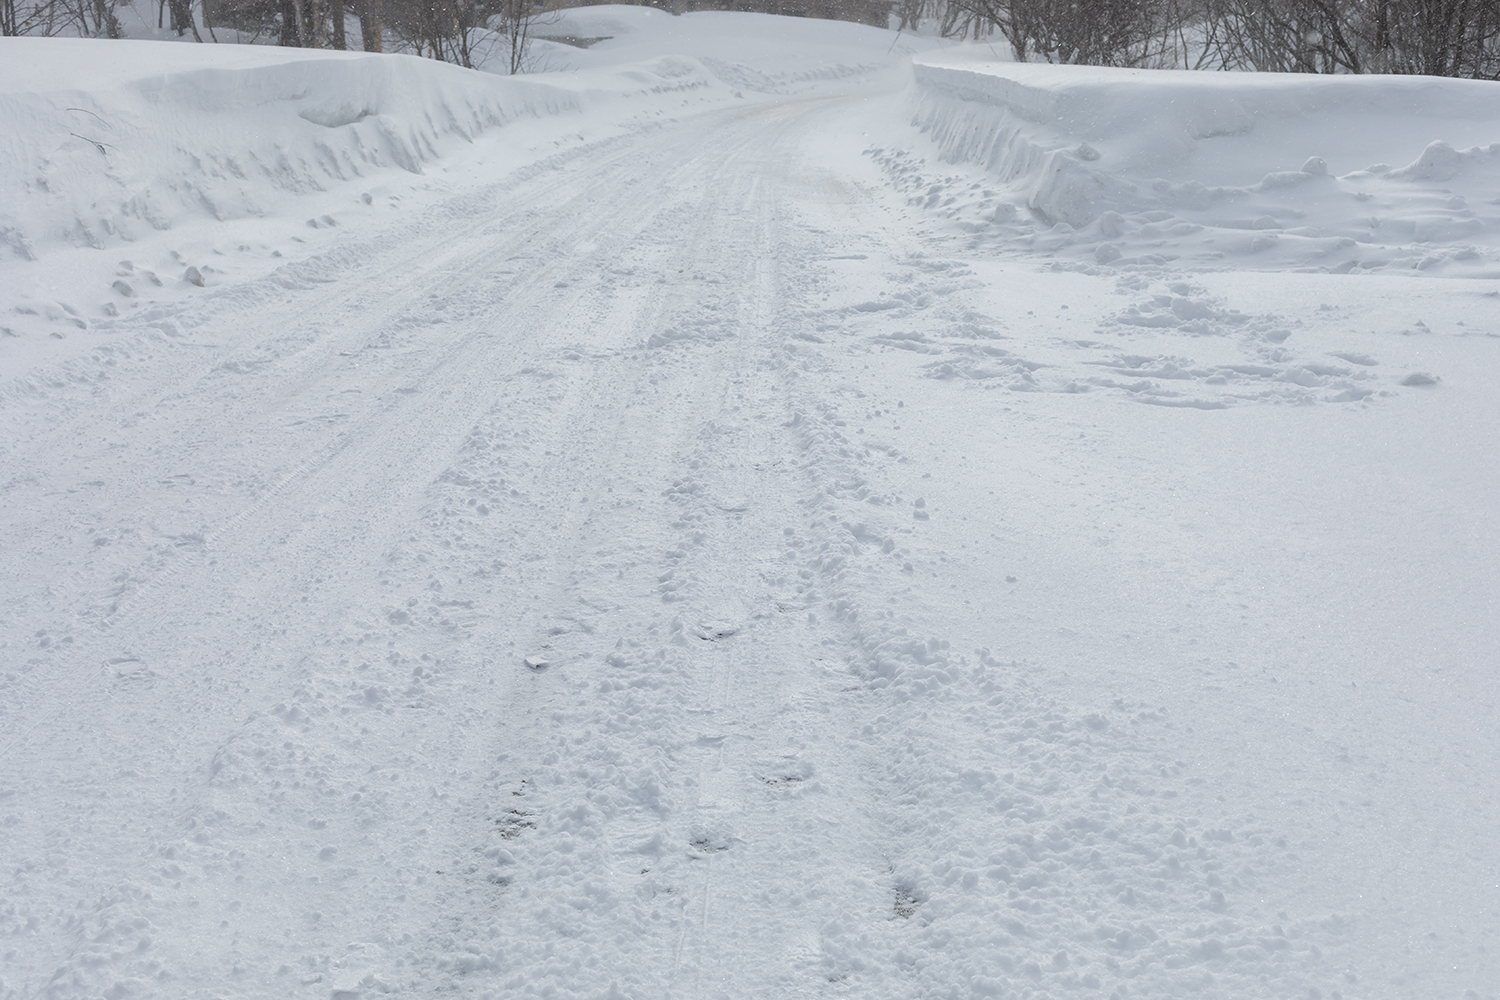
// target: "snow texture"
[[750, 513], [1261, 170]]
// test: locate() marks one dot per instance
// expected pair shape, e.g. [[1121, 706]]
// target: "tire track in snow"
[[664, 779], [305, 342], [339, 322], [360, 472]]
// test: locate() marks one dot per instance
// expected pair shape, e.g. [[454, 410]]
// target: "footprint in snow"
[[713, 838]]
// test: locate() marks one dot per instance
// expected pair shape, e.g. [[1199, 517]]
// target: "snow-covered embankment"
[[1270, 170], [197, 166], [227, 131]]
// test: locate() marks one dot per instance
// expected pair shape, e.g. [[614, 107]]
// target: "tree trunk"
[[314, 24], [371, 29], [109, 23], [339, 41], [182, 18], [291, 23]]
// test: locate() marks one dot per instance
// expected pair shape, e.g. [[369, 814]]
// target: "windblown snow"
[[766, 507]]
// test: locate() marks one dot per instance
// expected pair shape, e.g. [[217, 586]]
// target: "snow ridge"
[[96, 167], [1264, 170]]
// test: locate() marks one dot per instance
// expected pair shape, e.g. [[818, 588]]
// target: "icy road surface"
[[644, 576]]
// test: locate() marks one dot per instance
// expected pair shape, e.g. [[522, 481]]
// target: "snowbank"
[[1271, 168], [149, 149], [110, 140], [764, 53]]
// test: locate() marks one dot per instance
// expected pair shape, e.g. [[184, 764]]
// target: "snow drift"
[[763, 53], [203, 165], [1284, 168], [109, 140]]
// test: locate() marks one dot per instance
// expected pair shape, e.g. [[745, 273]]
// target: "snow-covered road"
[[590, 582]]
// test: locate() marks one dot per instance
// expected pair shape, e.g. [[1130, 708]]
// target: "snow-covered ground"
[[1269, 171], [687, 524]]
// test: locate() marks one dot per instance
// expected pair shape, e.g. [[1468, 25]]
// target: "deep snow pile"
[[749, 52], [1230, 170], [108, 153], [108, 141]]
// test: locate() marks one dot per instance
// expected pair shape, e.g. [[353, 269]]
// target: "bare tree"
[[371, 24], [1094, 32], [427, 26], [88, 18], [516, 19], [909, 14], [1282, 36], [1433, 37], [182, 17], [466, 31]]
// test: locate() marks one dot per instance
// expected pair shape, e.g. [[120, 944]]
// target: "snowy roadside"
[[142, 173], [1300, 517], [1212, 171], [1169, 189], [137, 188]]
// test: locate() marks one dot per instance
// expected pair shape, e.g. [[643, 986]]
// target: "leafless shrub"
[[1433, 37], [87, 18], [953, 19], [1092, 32]]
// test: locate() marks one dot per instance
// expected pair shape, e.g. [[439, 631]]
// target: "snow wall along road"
[[229, 132], [1266, 171]]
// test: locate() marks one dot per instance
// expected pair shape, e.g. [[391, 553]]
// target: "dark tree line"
[[91, 18], [1435, 37], [450, 30]]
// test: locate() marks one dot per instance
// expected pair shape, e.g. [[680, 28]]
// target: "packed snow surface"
[[766, 508]]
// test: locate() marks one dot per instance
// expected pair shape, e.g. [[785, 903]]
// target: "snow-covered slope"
[[1259, 170], [140, 149], [750, 52], [150, 145], [152, 133]]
